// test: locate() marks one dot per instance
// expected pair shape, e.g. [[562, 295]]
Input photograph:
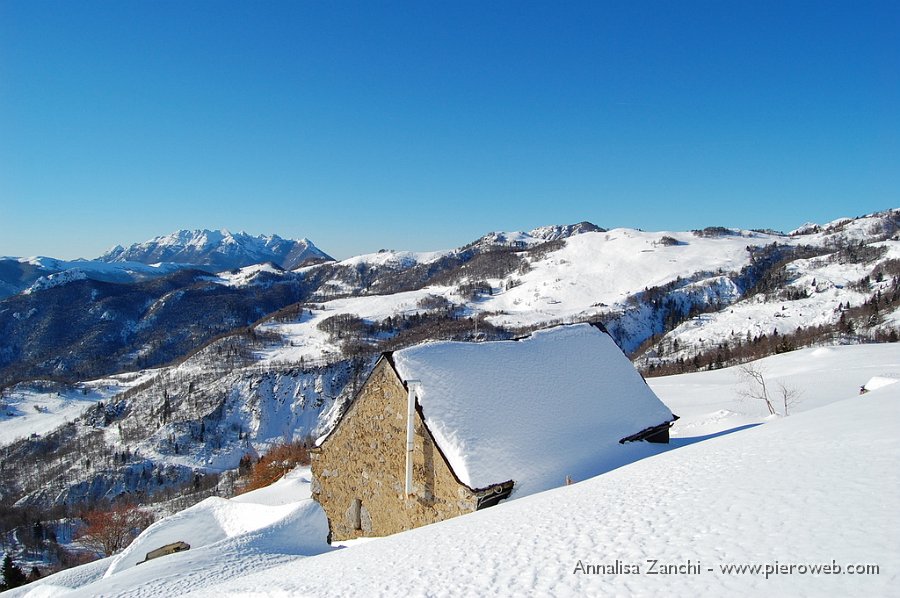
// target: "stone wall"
[[360, 470]]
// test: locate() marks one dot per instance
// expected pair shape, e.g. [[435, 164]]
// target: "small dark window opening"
[[356, 514]]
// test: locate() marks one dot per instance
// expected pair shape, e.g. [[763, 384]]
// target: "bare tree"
[[754, 385], [756, 389], [790, 396]]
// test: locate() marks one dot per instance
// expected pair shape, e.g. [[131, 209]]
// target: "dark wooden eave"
[[658, 433]]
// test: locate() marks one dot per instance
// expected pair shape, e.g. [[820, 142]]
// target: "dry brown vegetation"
[[273, 465], [109, 531]]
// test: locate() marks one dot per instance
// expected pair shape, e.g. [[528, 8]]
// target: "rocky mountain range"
[[206, 250], [219, 250]]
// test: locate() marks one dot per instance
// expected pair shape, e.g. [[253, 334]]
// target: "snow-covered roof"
[[535, 410]]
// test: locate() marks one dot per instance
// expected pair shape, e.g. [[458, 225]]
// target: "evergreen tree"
[[13, 576]]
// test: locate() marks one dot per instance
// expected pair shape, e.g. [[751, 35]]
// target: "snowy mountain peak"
[[538, 235], [563, 231], [219, 249]]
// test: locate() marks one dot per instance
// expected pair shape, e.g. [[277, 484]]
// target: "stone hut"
[[447, 428]]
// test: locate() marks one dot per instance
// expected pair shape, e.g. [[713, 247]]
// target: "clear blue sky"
[[422, 125]]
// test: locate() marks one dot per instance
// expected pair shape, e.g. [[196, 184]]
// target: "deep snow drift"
[[817, 488], [246, 533]]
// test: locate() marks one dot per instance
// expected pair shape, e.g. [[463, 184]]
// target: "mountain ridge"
[[211, 251], [220, 250]]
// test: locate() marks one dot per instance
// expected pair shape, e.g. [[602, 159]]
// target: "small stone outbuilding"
[[447, 428]]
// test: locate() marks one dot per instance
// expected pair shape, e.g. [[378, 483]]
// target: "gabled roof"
[[532, 410]]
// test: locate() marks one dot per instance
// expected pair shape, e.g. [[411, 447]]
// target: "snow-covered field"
[[591, 274], [710, 402], [39, 407], [304, 340], [818, 488]]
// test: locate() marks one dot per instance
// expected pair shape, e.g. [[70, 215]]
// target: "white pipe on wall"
[[411, 385]]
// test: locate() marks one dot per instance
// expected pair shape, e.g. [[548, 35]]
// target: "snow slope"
[[710, 402], [532, 410], [40, 407], [602, 275], [249, 532], [217, 520], [828, 285], [812, 489], [600, 270], [817, 488], [591, 275]]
